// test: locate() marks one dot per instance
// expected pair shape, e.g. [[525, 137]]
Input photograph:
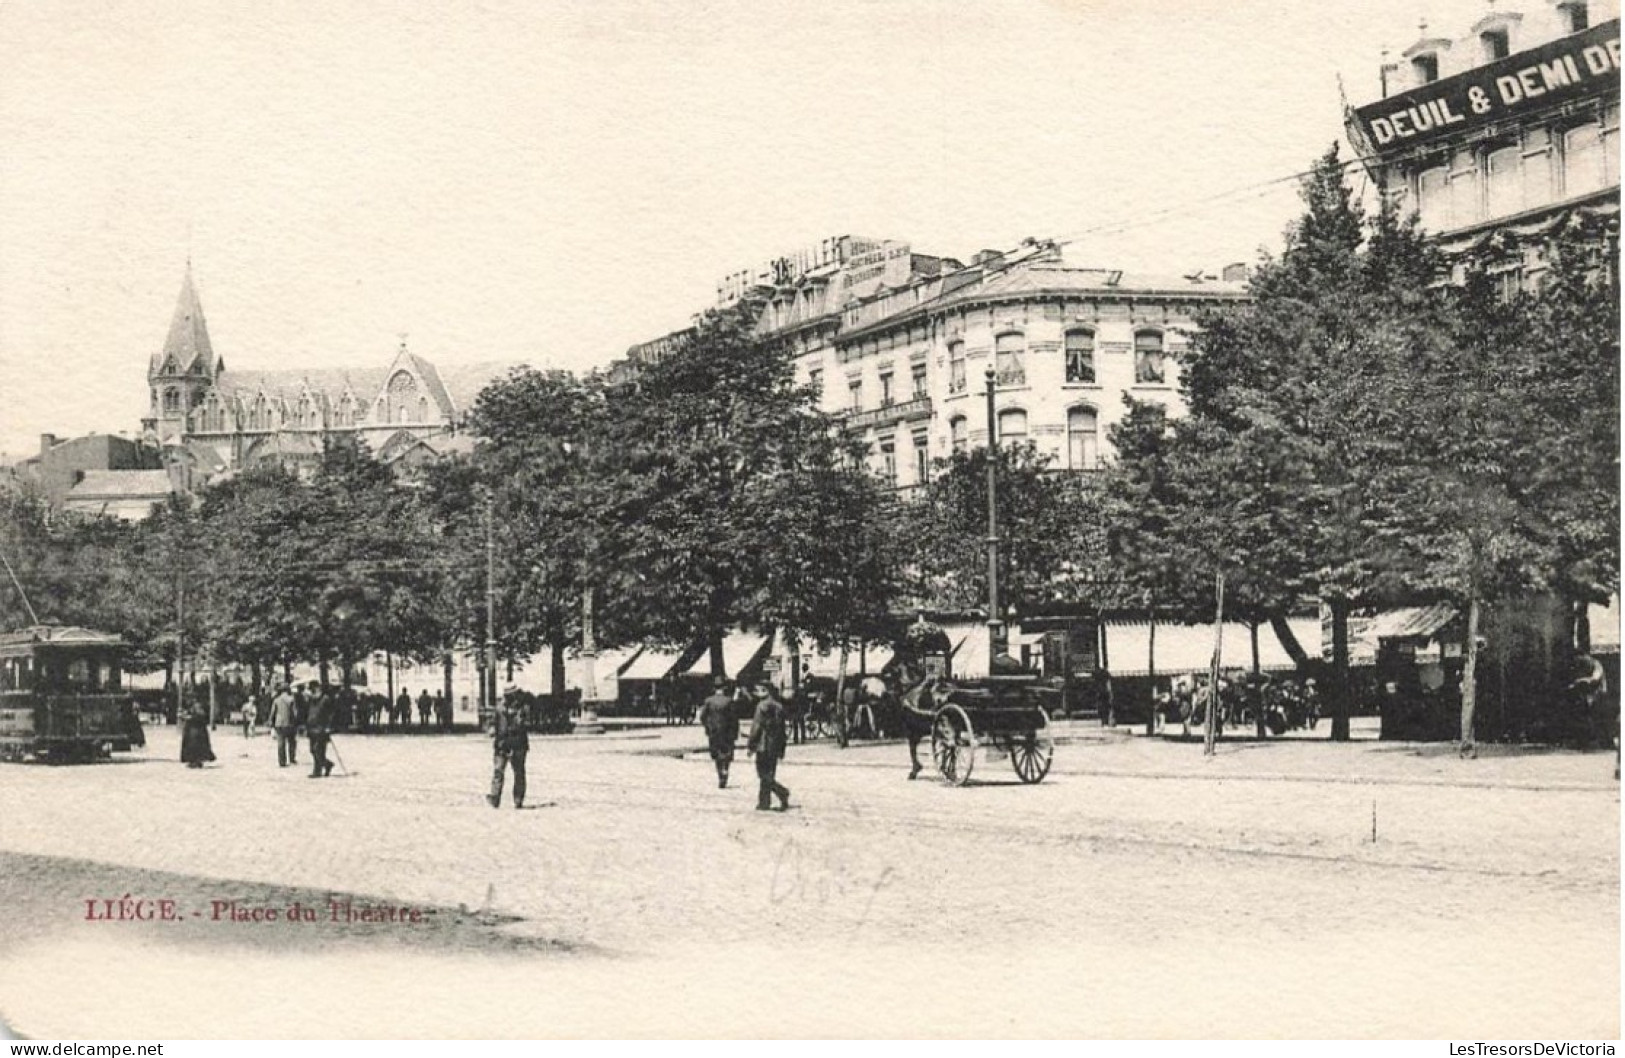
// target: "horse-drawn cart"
[[996, 717]]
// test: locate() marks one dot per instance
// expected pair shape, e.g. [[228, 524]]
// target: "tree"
[[1046, 552], [731, 492]]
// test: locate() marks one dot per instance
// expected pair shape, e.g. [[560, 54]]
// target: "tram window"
[[108, 676], [79, 672]]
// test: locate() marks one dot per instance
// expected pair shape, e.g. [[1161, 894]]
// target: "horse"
[[918, 713]]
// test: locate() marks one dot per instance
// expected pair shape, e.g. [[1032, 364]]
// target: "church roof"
[[289, 383], [187, 347]]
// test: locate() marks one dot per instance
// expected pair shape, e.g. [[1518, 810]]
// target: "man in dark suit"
[[284, 719], [721, 725], [767, 739], [510, 743], [318, 728]]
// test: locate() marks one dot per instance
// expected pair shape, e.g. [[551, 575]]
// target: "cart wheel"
[[1031, 753], [953, 744]]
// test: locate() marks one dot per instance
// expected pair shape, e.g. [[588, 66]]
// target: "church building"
[[210, 419]]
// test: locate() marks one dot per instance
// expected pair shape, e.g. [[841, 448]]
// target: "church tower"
[[181, 373]]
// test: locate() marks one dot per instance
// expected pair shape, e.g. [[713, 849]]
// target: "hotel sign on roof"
[[1569, 68]]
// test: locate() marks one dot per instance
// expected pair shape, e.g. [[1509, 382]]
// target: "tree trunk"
[[1108, 715], [451, 709], [1582, 626], [1258, 688], [1212, 732], [556, 681], [1289, 642], [321, 670], [719, 662], [840, 700], [389, 677], [1338, 685], [254, 676], [1469, 679], [1151, 671]]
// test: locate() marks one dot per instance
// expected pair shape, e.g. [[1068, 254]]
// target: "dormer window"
[[1425, 68], [1497, 44]]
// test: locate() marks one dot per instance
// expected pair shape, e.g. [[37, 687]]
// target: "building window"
[[1502, 183], [922, 458], [1080, 357], [956, 367], [1508, 283], [888, 461], [887, 397], [1466, 199], [1582, 160], [1426, 68], [1012, 426], [1537, 168], [918, 373], [1577, 15], [1082, 439], [172, 401], [1010, 359], [1497, 44], [815, 381], [1149, 368], [1432, 201], [854, 390], [1610, 146], [956, 433]]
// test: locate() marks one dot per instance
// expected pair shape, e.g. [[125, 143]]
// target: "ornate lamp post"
[[996, 641]]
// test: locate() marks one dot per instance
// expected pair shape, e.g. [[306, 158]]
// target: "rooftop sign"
[[1571, 67]]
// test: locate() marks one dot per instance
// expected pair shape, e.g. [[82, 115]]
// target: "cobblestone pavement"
[[1139, 890]]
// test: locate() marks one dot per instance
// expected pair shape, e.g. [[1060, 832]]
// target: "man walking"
[[318, 728], [767, 743], [721, 725], [510, 743], [284, 720], [425, 703]]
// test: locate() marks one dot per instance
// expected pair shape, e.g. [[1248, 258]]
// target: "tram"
[[62, 696]]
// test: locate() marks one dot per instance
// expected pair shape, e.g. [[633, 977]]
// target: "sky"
[[553, 182]]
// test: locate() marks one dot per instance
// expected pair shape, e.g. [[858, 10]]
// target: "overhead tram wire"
[[1014, 257]]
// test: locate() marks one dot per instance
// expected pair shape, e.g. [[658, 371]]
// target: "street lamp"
[[996, 642], [588, 724]]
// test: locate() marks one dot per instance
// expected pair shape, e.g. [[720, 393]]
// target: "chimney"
[[47, 441], [986, 257], [1236, 273]]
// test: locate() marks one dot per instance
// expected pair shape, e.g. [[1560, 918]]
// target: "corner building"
[[898, 344], [1498, 137]]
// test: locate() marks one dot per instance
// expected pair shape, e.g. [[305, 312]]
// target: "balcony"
[[906, 411]]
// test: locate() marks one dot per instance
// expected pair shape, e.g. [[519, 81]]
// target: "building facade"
[[63, 466], [1496, 138], [898, 345], [209, 419]]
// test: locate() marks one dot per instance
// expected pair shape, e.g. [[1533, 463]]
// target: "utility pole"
[[1211, 734], [996, 642], [589, 723], [180, 642], [488, 685]]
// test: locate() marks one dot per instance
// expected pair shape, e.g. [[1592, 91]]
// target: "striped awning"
[[1189, 648]]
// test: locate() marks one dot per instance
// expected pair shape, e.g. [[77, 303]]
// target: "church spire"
[[187, 349]]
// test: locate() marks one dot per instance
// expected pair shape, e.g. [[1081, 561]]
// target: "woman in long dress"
[[195, 747]]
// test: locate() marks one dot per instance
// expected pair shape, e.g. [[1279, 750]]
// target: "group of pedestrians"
[[311, 707], [432, 710], [719, 715]]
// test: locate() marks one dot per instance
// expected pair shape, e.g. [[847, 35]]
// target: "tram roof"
[[24, 641]]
